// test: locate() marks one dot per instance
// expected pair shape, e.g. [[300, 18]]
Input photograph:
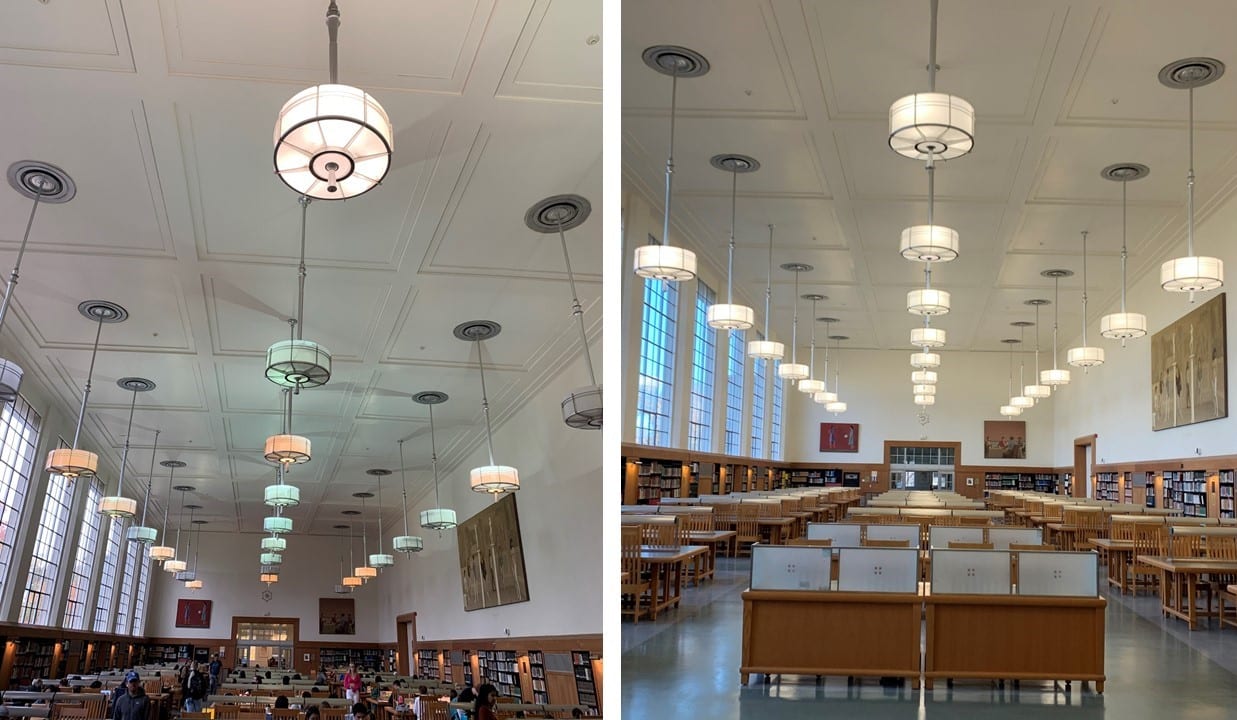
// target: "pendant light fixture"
[[71, 462], [340, 588], [1011, 410], [1021, 400], [333, 141], [140, 533], [364, 571], [1056, 376], [1124, 325], [380, 559], [438, 517], [1038, 391], [793, 370], [268, 576], [1192, 273], [664, 261], [931, 124], [558, 214], [43, 183], [117, 505], [767, 349], [930, 243], [490, 478], [351, 581], [297, 362], [286, 450], [927, 300], [925, 399], [161, 553], [837, 407], [277, 524], [923, 377], [811, 385], [187, 574], [175, 564], [1085, 356], [195, 583], [825, 396], [274, 544], [407, 543], [728, 315]]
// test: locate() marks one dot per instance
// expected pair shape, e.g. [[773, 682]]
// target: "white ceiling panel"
[[81, 35]]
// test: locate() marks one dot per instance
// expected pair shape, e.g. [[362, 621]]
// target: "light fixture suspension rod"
[[403, 481], [150, 478], [21, 252], [351, 549], [379, 514], [300, 270], [734, 190], [794, 326], [1037, 343], [434, 455], [1123, 251], [195, 549], [485, 405], [1189, 188], [1011, 370], [189, 546], [180, 521], [81, 413], [837, 373], [1022, 363], [1056, 303], [364, 533], [930, 166], [576, 308], [828, 332], [811, 367], [332, 32], [769, 285], [674, 92], [171, 474], [1084, 288], [124, 455], [931, 48]]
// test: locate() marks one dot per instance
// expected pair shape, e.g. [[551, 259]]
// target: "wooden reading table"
[[1179, 583], [666, 570], [1119, 554]]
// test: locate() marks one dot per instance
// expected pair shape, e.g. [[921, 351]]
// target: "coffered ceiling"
[[162, 113]]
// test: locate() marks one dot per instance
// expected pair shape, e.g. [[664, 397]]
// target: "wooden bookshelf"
[[536, 674], [427, 663], [1226, 492], [501, 669], [586, 690], [656, 480], [1107, 487]]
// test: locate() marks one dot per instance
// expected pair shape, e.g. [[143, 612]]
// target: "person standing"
[[352, 684], [216, 666], [195, 688], [133, 704], [487, 700]]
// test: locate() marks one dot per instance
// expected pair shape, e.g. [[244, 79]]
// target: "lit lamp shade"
[[274, 544], [298, 364], [724, 316], [270, 558], [923, 389], [281, 495], [494, 479], [332, 142], [931, 124], [1192, 274], [925, 360], [836, 407], [925, 399], [381, 560], [1039, 392], [438, 519], [10, 380], [193, 585], [1010, 411], [174, 566], [1085, 356], [582, 408], [143, 535], [277, 524], [268, 578], [72, 463], [927, 301], [160, 553], [351, 581], [407, 543], [665, 262], [766, 349], [923, 377], [186, 575], [792, 371], [1123, 326], [365, 572], [930, 243], [811, 386], [1054, 377], [287, 449], [927, 337], [1022, 401], [825, 397], [118, 507]]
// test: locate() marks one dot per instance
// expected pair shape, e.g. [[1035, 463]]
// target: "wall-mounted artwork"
[[193, 613], [337, 616], [1189, 368], [1005, 439], [492, 557], [839, 437]]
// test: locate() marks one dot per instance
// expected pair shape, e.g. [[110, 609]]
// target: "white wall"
[[876, 385]]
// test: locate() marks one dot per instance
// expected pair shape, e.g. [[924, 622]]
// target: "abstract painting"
[[336, 616], [839, 437], [193, 613], [1189, 368], [1005, 439], [492, 557]]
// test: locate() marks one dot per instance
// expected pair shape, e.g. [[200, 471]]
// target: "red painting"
[[193, 613], [839, 437]]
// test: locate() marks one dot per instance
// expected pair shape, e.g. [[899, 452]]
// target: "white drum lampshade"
[[10, 380], [174, 566], [725, 316], [923, 360], [1123, 325], [1022, 401], [1192, 274], [270, 558], [193, 585], [931, 124], [381, 560], [494, 479], [923, 377], [1038, 392], [288, 449], [186, 575], [277, 524], [72, 463], [438, 519], [1054, 377], [923, 389], [298, 364], [143, 535], [1085, 356], [766, 349], [118, 507], [281, 495], [1010, 411], [925, 399], [365, 572], [351, 581], [927, 301], [792, 371], [811, 386], [930, 243], [664, 262], [407, 543], [268, 578], [274, 544], [927, 337], [825, 397], [836, 407], [582, 408], [332, 142], [160, 553]]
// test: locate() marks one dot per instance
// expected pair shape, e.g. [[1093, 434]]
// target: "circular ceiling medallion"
[[813, 296], [378, 472], [1022, 323], [1125, 172], [1037, 301], [839, 337], [735, 163], [339, 527], [796, 267], [103, 311], [363, 495], [193, 507], [564, 212], [1011, 341], [184, 488], [198, 522], [48, 182], [827, 319], [136, 384], [1057, 273], [474, 330], [430, 397], [1191, 72], [350, 513], [675, 60], [173, 463]]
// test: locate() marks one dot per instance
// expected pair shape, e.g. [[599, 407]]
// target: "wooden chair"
[[204, 715], [956, 545], [334, 713], [886, 543], [434, 710], [226, 712], [636, 587], [1148, 540], [68, 710], [748, 527], [285, 714], [662, 534], [973, 521], [1032, 548]]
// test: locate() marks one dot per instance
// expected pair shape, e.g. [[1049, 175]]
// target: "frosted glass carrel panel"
[[970, 572], [842, 534], [939, 536], [878, 570], [1002, 537], [1068, 574], [787, 567], [910, 533]]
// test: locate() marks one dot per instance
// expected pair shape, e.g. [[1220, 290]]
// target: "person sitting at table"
[[281, 702], [134, 703], [416, 701], [312, 713], [487, 699], [306, 695], [287, 680], [321, 679], [360, 711], [577, 713]]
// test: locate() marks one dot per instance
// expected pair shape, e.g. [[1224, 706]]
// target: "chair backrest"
[[226, 712], [434, 710], [285, 713], [886, 543], [955, 545], [979, 521], [1032, 548], [1150, 539], [68, 710], [662, 534], [746, 522], [333, 713], [1222, 547], [185, 715], [824, 542]]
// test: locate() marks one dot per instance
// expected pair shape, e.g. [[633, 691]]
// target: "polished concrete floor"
[[686, 665]]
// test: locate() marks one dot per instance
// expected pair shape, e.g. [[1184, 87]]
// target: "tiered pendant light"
[[185, 574], [492, 478], [1124, 325], [1056, 376], [118, 506], [195, 583], [333, 141], [140, 532], [1039, 390], [71, 462], [664, 261], [930, 243], [1021, 400], [582, 407], [1192, 273], [351, 581], [767, 349], [837, 407], [728, 315], [380, 559], [931, 124], [364, 571], [793, 370], [811, 385], [438, 517], [1085, 356], [923, 377], [826, 396], [407, 543], [1011, 410], [175, 564], [297, 362], [286, 450], [268, 577], [161, 553], [43, 183]]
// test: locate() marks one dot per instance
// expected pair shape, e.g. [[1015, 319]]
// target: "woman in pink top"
[[352, 685]]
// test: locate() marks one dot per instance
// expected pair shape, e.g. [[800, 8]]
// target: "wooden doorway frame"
[[403, 659], [1078, 488]]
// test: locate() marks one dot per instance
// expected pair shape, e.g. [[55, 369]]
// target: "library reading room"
[[924, 359], [301, 397]]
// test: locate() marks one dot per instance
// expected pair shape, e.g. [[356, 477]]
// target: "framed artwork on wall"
[[1005, 439], [193, 613], [337, 616], [839, 437], [1189, 368], [492, 557]]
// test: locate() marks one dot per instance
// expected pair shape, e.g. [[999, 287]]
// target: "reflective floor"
[[686, 664]]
